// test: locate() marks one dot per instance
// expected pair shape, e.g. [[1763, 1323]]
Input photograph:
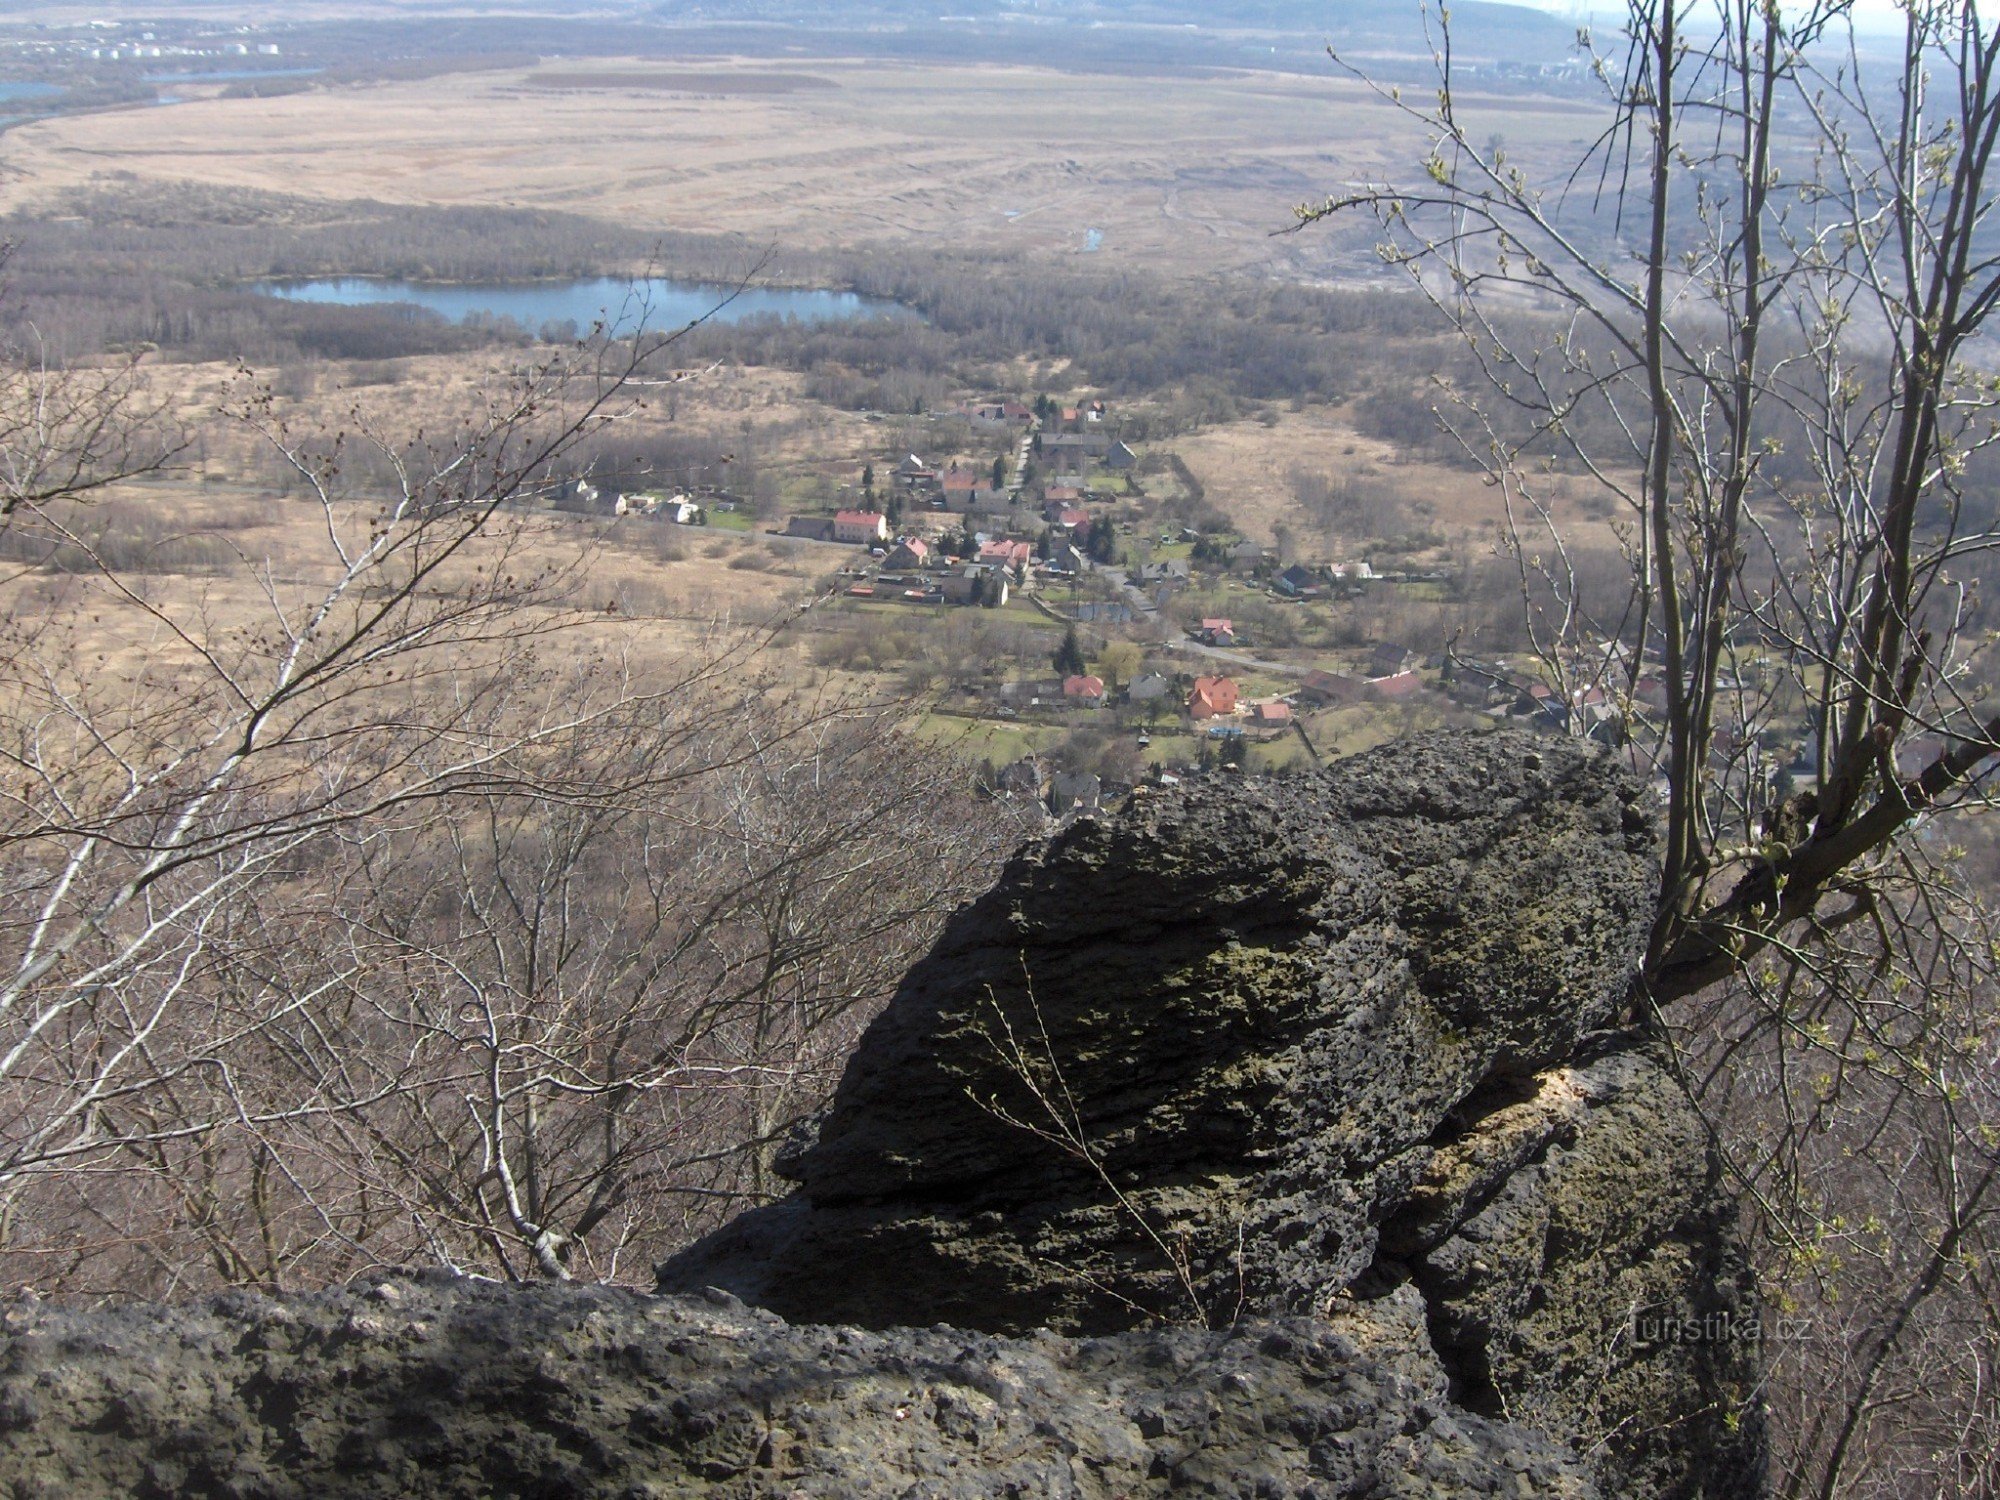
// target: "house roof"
[[1399, 686], [1271, 713], [1011, 553], [857, 518], [1330, 685], [1083, 687], [1386, 660], [1218, 626], [1216, 694]]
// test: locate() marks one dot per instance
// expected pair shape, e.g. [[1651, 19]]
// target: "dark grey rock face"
[[1289, 1048], [433, 1387], [1309, 1115]]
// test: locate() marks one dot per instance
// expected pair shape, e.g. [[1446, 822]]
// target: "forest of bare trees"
[[384, 907], [174, 269]]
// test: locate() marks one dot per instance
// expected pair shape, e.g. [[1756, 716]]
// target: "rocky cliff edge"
[[1276, 1139]]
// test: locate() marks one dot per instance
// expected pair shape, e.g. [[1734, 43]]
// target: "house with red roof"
[[1217, 633], [1015, 555], [1212, 697], [1086, 690]]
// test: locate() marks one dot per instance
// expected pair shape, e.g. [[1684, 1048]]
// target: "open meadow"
[[815, 153]]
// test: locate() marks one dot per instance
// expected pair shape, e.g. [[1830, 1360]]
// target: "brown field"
[[994, 158], [684, 83], [652, 587], [1246, 468]]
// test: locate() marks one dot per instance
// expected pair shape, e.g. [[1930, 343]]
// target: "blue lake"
[[11, 93], [664, 305], [232, 75]]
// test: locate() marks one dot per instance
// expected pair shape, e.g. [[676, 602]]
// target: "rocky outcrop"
[[1312, 1048], [437, 1387], [1274, 1139]]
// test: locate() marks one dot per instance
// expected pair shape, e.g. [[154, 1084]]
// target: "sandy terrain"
[[968, 157]]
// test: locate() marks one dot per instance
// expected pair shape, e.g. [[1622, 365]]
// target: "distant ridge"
[[1483, 31]]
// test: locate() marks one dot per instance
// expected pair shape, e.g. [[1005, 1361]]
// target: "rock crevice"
[[1274, 1139], [1324, 1047]]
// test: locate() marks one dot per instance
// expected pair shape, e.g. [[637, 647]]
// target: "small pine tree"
[[1103, 545], [1069, 655]]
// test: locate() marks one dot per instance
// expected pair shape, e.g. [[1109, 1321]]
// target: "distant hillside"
[[1483, 31]]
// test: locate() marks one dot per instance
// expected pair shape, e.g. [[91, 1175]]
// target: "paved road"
[[1239, 658], [1021, 457]]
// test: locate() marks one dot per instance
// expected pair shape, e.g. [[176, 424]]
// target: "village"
[[1159, 641]]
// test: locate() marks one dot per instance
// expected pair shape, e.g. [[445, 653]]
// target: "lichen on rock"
[[1285, 1048], [1282, 1139]]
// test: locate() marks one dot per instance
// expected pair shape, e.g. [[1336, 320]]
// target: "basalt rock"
[[1303, 1048], [434, 1387], [1292, 1140]]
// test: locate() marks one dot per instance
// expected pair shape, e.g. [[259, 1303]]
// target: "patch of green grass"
[[1020, 612], [1268, 755], [731, 520], [986, 739], [1171, 747]]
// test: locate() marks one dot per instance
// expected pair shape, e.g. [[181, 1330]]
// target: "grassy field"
[[1247, 469], [1010, 158]]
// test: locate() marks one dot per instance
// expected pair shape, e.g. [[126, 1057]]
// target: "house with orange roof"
[[1015, 555], [1212, 697]]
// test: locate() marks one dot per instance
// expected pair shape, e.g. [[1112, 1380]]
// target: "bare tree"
[[365, 901], [1756, 305], [537, 1037]]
